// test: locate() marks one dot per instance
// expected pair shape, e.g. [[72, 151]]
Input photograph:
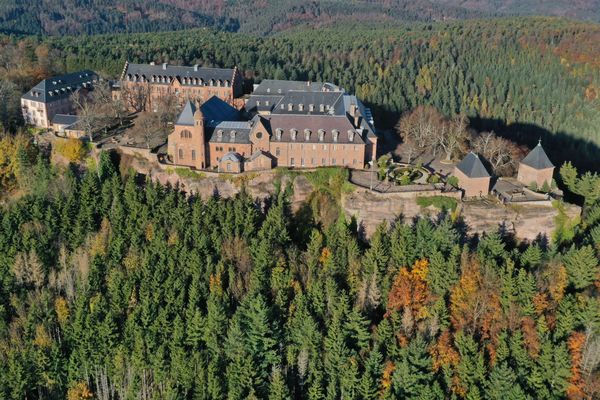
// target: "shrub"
[[72, 149], [439, 202], [453, 181], [188, 173]]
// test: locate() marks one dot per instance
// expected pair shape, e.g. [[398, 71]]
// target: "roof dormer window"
[[278, 133], [350, 135], [321, 107], [220, 135], [232, 136], [290, 107], [335, 134], [300, 107], [293, 133], [307, 134], [311, 107], [321, 135]]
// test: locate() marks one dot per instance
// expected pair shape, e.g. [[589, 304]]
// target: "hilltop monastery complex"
[[280, 123]]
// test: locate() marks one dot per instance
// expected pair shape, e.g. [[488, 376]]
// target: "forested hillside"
[[258, 17], [113, 288], [527, 78]]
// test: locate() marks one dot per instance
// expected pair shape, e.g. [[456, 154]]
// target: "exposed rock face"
[[369, 208], [526, 222]]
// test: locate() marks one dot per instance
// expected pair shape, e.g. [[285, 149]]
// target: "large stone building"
[[320, 126], [536, 168], [53, 96], [472, 176], [143, 85]]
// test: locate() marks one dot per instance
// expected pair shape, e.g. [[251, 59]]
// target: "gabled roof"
[[61, 86], [311, 103], [472, 167], [187, 115], [232, 156], [214, 111], [313, 123], [259, 153], [65, 119], [537, 158], [237, 132], [282, 87]]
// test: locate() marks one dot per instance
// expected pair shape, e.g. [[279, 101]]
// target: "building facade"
[[472, 176], [297, 128], [53, 96], [536, 168], [143, 85]]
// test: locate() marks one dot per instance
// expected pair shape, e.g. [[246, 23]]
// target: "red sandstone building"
[[536, 168], [142, 85], [472, 176], [281, 126]]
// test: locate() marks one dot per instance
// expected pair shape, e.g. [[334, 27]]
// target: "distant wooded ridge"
[[261, 17]]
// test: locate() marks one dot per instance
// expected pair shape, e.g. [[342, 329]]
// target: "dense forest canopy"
[[526, 78], [116, 288], [260, 17]]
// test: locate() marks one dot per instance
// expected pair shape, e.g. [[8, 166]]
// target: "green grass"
[[439, 202], [188, 173]]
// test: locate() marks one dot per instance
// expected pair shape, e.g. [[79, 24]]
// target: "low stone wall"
[[137, 152]]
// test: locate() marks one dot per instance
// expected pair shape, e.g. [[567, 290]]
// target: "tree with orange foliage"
[[475, 303], [409, 292], [576, 342]]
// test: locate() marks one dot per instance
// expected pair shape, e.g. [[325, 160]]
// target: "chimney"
[[355, 114], [196, 67], [164, 65]]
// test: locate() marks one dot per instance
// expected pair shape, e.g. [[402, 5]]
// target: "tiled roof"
[[65, 119], [214, 110], [179, 72], [537, 158], [472, 167], [276, 86], [232, 156], [237, 132], [60, 87], [286, 124], [187, 114], [311, 103]]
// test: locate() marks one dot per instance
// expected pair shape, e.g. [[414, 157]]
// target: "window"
[[292, 161], [185, 134], [180, 154], [324, 147], [193, 155], [302, 162], [323, 161], [312, 161], [333, 161], [258, 135], [354, 162], [277, 152], [228, 167]]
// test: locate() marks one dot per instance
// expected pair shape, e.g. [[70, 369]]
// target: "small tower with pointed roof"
[[536, 168], [472, 176], [187, 143]]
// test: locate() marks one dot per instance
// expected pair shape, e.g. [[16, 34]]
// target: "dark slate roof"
[[472, 167], [222, 132], [187, 115], [537, 158], [65, 119], [257, 103], [259, 153], [179, 72], [214, 110], [276, 86], [60, 87], [323, 103], [232, 156], [314, 123]]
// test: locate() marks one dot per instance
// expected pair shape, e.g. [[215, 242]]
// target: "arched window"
[[185, 134]]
